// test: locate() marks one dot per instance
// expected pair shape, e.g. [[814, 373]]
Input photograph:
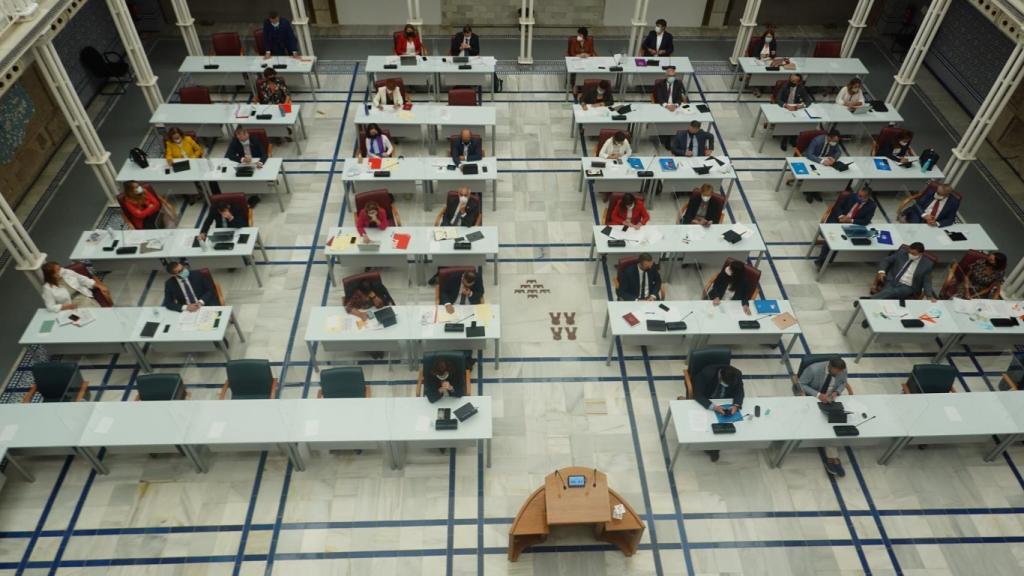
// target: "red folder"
[[401, 240], [375, 163], [630, 319]]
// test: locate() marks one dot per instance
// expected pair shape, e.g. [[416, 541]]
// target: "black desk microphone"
[[595, 477], [560, 479]]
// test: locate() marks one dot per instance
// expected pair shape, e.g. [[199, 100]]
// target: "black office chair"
[[343, 382], [155, 387], [249, 380], [701, 358], [807, 361], [930, 379], [57, 382]]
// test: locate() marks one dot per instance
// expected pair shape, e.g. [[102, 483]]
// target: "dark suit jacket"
[[663, 96], [590, 96], [946, 216], [235, 151], [474, 45], [714, 211], [816, 149], [629, 283], [802, 95], [471, 151], [892, 150], [922, 281], [845, 204], [773, 47], [432, 386], [468, 219], [280, 41], [651, 41], [742, 291], [174, 298], [705, 386], [451, 286], [680, 142], [238, 219]]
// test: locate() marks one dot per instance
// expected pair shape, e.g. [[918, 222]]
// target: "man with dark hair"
[[443, 381], [186, 291], [599, 95], [279, 37], [718, 381], [641, 282], [658, 41], [825, 380], [465, 288], [904, 274], [693, 141], [669, 92], [465, 44], [793, 96], [825, 150], [224, 215]]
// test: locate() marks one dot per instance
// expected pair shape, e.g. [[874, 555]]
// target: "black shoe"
[[863, 323], [817, 196], [809, 198], [782, 145], [713, 455], [433, 280]]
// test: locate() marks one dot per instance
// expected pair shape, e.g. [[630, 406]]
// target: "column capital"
[[960, 155], [102, 159], [34, 265]]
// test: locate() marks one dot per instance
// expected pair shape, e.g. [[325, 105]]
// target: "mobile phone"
[[352, 240], [74, 317], [663, 307], [625, 227], [903, 302]]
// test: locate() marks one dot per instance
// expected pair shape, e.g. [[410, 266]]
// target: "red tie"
[[856, 208], [935, 208]]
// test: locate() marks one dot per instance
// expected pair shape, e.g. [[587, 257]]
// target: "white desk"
[[434, 70], [598, 68], [816, 72], [782, 122], [177, 243], [862, 170], [705, 324], [434, 117], [704, 246], [407, 172], [886, 329], [432, 337], [422, 247], [412, 423], [975, 328], [1013, 402], [622, 177], [146, 427], [265, 180], [244, 70], [212, 120], [240, 425], [644, 115], [47, 428], [935, 240]]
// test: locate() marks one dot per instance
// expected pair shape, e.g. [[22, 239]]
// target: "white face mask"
[[579, 38], [140, 190], [659, 29], [705, 198], [463, 200], [442, 377], [728, 271], [768, 38], [670, 79], [276, 24], [914, 258], [243, 142], [904, 144], [600, 92]]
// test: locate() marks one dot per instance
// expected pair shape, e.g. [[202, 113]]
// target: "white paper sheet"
[[8, 432], [103, 426], [699, 422], [953, 414], [216, 429], [312, 427]]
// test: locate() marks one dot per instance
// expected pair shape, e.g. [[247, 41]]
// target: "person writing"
[[186, 291], [461, 211], [371, 216], [715, 382], [390, 94], [366, 296], [616, 147], [856, 208], [271, 88], [732, 284], [670, 92], [408, 43], [442, 382], [465, 44], [279, 37], [851, 96], [245, 150], [658, 41], [701, 209], [825, 150], [693, 142], [465, 148], [641, 282], [793, 96], [898, 149], [628, 211], [141, 206], [224, 215], [904, 274], [65, 289], [825, 380], [598, 95], [582, 45], [936, 207], [377, 144], [461, 289]]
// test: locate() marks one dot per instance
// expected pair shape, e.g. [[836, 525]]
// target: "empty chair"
[[194, 95], [154, 387], [257, 37], [462, 97], [701, 359], [930, 379], [343, 382], [828, 49], [227, 44], [249, 380], [57, 382]]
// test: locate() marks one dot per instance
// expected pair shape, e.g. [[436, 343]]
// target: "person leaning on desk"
[[186, 291], [461, 289], [732, 284], [897, 149], [224, 215], [598, 95], [443, 382], [825, 380], [279, 37], [825, 150], [718, 381], [390, 94], [371, 216], [465, 148], [641, 282], [851, 96], [246, 150], [658, 42], [628, 211], [701, 209], [616, 147]]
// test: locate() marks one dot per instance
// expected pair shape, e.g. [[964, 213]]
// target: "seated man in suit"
[[732, 284], [599, 95], [670, 92], [462, 210], [443, 382], [793, 96], [465, 44], [658, 41], [246, 150], [693, 142], [825, 150], [898, 149], [465, 288], [904, 274], [224, 215], [185, 291], [718, 381], [641, 282], [935, 208], [700, 209], [825, 380], [465, 148], [856, 208]]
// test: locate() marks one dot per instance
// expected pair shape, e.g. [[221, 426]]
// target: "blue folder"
[[766, 306], [799, 168], [882, 164], [729, 418], [635, 163], [667, 164], [884, 237]]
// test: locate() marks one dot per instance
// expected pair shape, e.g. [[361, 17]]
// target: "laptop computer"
[[180, 166], [368, 247], [862, 110], [407, 60], [222, 236], [856, 231]]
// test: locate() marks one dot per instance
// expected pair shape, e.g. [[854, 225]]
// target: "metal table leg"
[[675, 456], [856, 312], [497, 353], [238, 329], [1002, 446], [494, 192], [778, 185], [871, 340], [330, 270], [784, 450], [893, 449], [13, 463], [607, 324], [140, 356], [262, 248], [284, 176], [251, 262], [312, 355], [611, 349], [295, 455], [668, 418], [798, 186], [194, 455], [597, 266], [92, 458], [495, 268], [223, 350], [828, 260]]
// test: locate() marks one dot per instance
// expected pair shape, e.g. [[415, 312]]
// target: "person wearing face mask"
[[669, 93], [702, 208], [141, 206], [732, 284], [693, 142], [582, 44], [65, 289], [904, 274], [460, 211], [765, 49], [187, 291], [461, 290], [616, 147], [598, 95], [825, 150], [718, 382], [628, 211], [982, 279], [371, 216], [465, 148], [658, 41], [279, 36], [377, 144], [897, 149], [224, 215], [390, 94], [936, 207], [793, 96], [179, 146], [246, 150], [852, 95], [465, 44], [443, 382], [856, 208], [408, 42], [641, 282]]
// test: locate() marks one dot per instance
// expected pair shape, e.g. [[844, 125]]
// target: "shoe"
[[809, 198], [433, 280], [817, 196], [863, 323], [713, 455], [834, 467]]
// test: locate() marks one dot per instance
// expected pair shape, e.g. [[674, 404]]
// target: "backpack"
[[138, 157]]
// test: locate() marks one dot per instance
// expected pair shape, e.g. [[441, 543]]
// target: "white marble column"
[[187, 25], [639, 26], [526, 23], [27, 257], [300, 21], [747, 23], [855, 27], [144, 78]]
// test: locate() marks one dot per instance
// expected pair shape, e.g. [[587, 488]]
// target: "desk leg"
[[824, 265], [607, 324], [250, 262], [778, 185], [312, 355], [813, 243], [951, 341], [576, 139], [262, 247], [728, 189], [238, 328], [675, 456], [350, 190], [484, 445], [597, 266], [295, 456], [792, 342], [330, 270], [893, 449], [494, 191], [757, 262], [784, 449], [757, 119], [856, 313], [768, 135], [195, 457], [298, 141], [284, 176], [92, 458], [611, 348], [140, 356], [398, 455], [25, 474], [497, 353], [668, 418], [223, 350], [871, 340], [1002, 446], [797, 186], [583, 191]]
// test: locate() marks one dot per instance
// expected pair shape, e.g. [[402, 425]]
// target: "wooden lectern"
[[574, 495]]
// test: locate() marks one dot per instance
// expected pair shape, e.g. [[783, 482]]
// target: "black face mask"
[[410, 33]]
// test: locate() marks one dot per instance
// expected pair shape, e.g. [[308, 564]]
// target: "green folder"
[[47, 326]]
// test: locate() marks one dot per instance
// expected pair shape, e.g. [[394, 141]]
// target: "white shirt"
[[846, 99], [381, 97], [610, 147], [908, 277], [56, 296], [766, 51], [410, 48], [246, 148], [702, 210], [657, 41]]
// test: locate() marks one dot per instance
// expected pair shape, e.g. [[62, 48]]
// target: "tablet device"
[[577, 481]]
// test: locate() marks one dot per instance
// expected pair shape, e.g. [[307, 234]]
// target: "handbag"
[[168, 214], [138, 157]]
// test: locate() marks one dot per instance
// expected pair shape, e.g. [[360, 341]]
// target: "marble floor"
[[937, 511]]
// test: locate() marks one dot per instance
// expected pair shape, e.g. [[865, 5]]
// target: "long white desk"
[[244, 70], [643, 116], [265, 180], [217, 119], [884, 323], [816, 72], [704, 246], [861, 170], [634, 70], [973, 319], [175, 244], [621, 177], [342, 249], [782, 122], [936, 242], [433, 71], [432, 172], [433, 117], [705, 324]]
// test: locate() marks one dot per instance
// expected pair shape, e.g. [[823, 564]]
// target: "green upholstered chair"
[[701, 358], [160, 387], [457, 361], [249, 380], [343, 382], [930, 379], [57, 382]]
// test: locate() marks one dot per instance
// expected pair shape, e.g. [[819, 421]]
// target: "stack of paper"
[[340, 243], [482, 313]]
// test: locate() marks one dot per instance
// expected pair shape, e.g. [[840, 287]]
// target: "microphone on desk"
[[560, 479], [690, 313], [863, 421], [595, 477], [762, 317]]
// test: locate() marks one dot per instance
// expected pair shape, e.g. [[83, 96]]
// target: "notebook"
[[884, 237], [799, 168], [882, 164], [401, 240], [729, 418], [766, 306], [667, 164], [635, 163]]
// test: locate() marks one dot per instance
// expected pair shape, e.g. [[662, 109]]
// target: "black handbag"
[[138, 157]]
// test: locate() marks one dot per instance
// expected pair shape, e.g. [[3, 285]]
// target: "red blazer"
[[640, 214], [588, 47], [137, 214], [363, 221], [400, 44]]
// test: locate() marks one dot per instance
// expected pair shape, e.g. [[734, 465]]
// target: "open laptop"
[[862, 109], [368, 247], [407, 60]]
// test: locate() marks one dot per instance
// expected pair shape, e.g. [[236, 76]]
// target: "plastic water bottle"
[[927, 164]]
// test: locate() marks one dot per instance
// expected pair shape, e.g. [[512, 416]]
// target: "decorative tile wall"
[[506, 12], [92, 26]]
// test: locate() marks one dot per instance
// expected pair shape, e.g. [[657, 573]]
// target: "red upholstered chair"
[[205, 273], [843, 195], [455, 194], [462, 97], [828, 49], [442, 277], [474, 137], [587, 85], [607, 133], [717, 201], [753, 277], [383, 199], [194, 95], [99, 292], [803, 140], [752, 46], [362, 139], [261, 135], [348, 283], [236, 199], [887, 134], [227, 44], [401, 87], [958, 273], [257, 36], [613, 201]]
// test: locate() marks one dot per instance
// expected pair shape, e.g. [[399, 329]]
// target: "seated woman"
[[65, 289], [271, 88], [181, 146], [409, 43], [390, 94], [731, 284], [628, 211], [616, 147], [898, 149], [982, 278], [377, 144], [141, 206], [371, 216], [700, 209], [443, 382], [852, 95], [367, 296]]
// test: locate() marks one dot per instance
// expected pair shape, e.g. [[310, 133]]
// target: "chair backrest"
[[234, 199], [462, 97], [194, 95], [813, 359], [261, 135], [932, 378], [227, 44], [828, 49], [208, 276], [257, 36], [703, 357], [626, 262], [349, 282], [774, 96], [474, 195], [401, 86], [98, 295], [588, 84], [841, 197], [451, 42], [803, 140], [886, 135], [456, 361], [753, 275], [381, 196], [343, 382], [250, 379], [56, 381], [160, 387], [472, 136], [718, 201], [444, 273], [752, 46], [607, 133], [362, 138]]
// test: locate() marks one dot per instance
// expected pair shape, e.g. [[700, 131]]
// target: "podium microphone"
[[595, 477], [863, 421], [560, 479]]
